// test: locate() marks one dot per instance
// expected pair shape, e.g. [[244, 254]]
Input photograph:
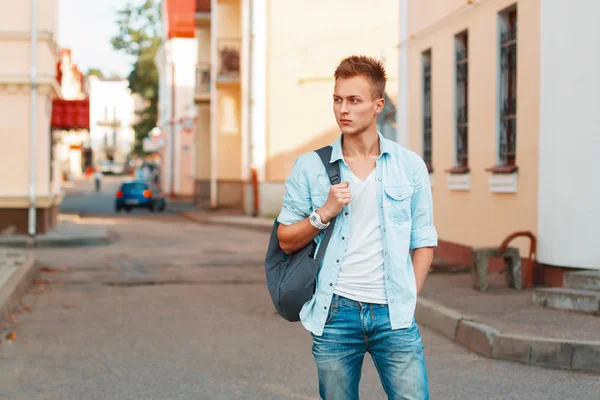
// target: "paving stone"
[[586, 356], [552, 353], [438, 317], [512, 347], [476, 336]]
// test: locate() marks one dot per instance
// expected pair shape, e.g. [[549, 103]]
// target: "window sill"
[[503, 169], [458, 170]]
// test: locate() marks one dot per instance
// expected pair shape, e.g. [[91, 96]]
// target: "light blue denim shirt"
[[406, 223]]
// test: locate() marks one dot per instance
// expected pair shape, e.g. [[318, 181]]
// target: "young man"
[[368, 283]]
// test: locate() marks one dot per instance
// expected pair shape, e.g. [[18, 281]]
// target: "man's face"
[[353, 105]]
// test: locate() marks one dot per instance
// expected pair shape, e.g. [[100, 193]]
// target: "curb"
[[74, 241], [490, 342], [255, 223], [16, 286]]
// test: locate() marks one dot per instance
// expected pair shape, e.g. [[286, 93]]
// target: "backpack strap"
[[333, 170]]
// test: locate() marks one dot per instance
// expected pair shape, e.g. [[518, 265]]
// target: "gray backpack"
[[291, 278]]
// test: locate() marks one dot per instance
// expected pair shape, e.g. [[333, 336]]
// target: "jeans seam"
[[380, 376]]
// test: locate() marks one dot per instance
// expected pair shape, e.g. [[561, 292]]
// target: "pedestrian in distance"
[[380, 249], [98, 179]]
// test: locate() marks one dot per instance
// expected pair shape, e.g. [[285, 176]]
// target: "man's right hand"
[[339, 196]]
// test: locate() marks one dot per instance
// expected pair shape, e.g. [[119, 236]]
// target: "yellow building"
[[269, 96], [25, 114], [500, 102]]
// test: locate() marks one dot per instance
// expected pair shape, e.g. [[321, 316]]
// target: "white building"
[[112, 114], [176, 61]]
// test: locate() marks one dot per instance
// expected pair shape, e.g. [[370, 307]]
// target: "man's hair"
[[369, 67]]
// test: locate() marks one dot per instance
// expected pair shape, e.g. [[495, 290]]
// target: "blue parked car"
[[139, 194]]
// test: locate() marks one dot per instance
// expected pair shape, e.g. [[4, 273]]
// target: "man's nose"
[[344, 109]]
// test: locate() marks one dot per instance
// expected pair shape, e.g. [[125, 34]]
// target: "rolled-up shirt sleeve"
[[296, 201], [423, 232]]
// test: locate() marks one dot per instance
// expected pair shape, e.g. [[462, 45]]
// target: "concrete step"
[[568, 299], [584, 280]]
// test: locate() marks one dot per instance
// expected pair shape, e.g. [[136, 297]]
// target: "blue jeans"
[[353, 328]]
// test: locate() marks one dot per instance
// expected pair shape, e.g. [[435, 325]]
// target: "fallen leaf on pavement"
[[48, 269], [16, 369], [27, 308], [11, 336]]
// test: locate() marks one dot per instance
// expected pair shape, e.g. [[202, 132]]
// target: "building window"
[[462, 103], [427, 148], [508, 91]]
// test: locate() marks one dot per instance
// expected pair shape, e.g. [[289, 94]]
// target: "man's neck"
[[361, 145]]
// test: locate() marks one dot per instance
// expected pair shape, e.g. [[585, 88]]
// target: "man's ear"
[[379, 105]]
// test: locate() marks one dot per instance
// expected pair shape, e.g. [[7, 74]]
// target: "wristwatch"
[[315, 220]]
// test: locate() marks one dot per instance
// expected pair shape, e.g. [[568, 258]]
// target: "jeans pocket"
[[330, 315]]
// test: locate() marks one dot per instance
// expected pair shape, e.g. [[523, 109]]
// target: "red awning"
[[70, 114], [180, 17]]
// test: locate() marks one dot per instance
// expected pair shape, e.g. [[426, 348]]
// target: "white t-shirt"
[[361, 276]]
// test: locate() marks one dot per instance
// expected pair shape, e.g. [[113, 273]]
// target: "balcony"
[[109, 123], [202, 92], [229, 51], [202, 15], [203, 6]]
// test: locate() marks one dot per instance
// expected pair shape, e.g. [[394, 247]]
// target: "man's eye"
[[354, 100]]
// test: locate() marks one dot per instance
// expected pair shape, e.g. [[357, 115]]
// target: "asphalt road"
[[176, 310]]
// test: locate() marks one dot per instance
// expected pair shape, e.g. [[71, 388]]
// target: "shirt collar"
[[336, 153]]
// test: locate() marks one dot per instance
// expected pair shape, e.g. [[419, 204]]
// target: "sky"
[[86, 26]]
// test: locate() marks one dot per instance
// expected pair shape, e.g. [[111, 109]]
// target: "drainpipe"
[[402, 114], [214, 63], [33, 119], [172, 131]]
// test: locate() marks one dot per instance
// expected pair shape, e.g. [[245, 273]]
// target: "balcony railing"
[[229, 59], [202, 78]]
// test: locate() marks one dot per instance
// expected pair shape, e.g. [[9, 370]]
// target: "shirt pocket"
[[320, 191], [397, 202]]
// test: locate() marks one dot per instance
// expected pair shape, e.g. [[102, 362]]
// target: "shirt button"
[[337, 261], [346, 213], [385, 253], [382, 206], [325, 307], [387, 277], [343, 238], [379, 179], [331, 284], [383, 229], [391, 301]]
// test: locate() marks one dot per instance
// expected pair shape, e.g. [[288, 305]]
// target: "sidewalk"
[[17, 270], [68, 233], [501, 323]]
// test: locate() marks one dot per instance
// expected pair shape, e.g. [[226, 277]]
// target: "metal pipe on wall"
[[33, 120], [402, 112]]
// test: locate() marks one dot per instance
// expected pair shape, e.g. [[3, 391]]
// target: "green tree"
[[140, 33], [95, 72]]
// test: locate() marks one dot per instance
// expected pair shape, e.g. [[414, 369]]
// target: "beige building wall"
[[476, 217], [15, 114], [202, 99], [305, 45], [229, 105]]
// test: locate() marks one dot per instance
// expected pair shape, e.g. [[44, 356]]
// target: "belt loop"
[[337, 300]]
